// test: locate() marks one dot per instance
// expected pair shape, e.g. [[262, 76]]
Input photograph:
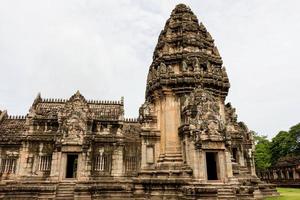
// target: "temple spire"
[[186, 54]]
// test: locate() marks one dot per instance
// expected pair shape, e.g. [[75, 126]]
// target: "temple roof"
[[186, 56], [183, 30], [106, 110], [13, 125]]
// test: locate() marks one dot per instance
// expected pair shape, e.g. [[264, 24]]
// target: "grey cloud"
[[104, 49]]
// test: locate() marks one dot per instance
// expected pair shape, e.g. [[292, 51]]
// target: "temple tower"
[[185, 58]]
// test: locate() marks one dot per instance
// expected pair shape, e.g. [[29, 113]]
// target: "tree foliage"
[[282, 145], [285, 143], [262, 155]]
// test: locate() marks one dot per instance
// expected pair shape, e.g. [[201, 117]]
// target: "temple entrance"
[[211, 165], [71, 170], [235, 154]]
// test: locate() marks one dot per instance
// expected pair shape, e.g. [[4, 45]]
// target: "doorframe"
[[218, 169], [63, 166], [66, 166]]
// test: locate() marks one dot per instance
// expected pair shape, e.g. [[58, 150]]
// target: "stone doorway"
[[212, 165], [71, 169]]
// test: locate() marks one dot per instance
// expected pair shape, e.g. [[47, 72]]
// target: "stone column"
[[241, 157], [21, 170], [84, 166], [55, 165], [169, 123], [144, 154], [221, 159], [201, 162], [117, 162], [161, 122]]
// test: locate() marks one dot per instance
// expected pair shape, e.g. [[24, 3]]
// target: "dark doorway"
[[211, 165], [234, 154], [72, 160]]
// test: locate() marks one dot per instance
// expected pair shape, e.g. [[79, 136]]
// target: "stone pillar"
[[241, 157], [161, 120], [252, 165], [201, 162], [117, 162], [84, 166], [21, 170], [144, 154], [221, 166], [228, 163], [169, 123], [55, 164]]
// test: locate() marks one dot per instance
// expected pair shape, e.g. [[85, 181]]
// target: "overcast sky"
[[104, 49]]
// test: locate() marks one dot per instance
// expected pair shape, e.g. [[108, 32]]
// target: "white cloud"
[[104, 49]]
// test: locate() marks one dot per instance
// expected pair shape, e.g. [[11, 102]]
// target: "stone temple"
[[186, 143]]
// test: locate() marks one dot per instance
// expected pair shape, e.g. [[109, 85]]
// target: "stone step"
[[65, 196], [226, 197], [225, 192], [65, 191]]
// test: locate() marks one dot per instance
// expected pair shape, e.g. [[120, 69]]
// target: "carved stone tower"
[[189, 136], [185, 58]]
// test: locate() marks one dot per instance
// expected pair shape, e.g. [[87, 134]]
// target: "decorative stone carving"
[[184, 66], [162, 68], [73, 118], [170, 69], [146, 110], [205, 113], [196, 65]]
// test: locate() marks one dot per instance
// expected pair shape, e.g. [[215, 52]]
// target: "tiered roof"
[[186, 56]]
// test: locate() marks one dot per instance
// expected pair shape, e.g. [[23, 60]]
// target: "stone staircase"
[[244, 170], [226, 193], [65, 191], [267, 189]]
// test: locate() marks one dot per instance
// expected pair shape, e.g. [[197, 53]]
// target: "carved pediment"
[[73, 118], [201, 111]]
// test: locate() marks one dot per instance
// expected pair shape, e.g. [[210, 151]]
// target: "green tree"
[[295, 133], [282, 145], [262, 155]]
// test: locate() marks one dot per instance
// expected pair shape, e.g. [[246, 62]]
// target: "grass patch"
[[287, 194]]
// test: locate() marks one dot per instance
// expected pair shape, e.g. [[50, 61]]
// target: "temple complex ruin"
[[285, 173], [186, 143]]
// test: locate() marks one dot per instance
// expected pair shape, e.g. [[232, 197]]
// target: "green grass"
[[287, 193]]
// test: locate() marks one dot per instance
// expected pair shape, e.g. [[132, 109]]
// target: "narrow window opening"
[[8, 165], [45, 163]]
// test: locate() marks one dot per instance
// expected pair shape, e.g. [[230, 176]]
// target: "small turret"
[[3, 114], [37, 99]]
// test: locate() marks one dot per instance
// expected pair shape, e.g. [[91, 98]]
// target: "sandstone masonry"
[[186, 143]]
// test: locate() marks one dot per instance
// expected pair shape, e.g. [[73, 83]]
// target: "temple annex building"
[[186, 143]]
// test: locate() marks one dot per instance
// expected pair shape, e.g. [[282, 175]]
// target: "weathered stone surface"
[[186, 144]]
